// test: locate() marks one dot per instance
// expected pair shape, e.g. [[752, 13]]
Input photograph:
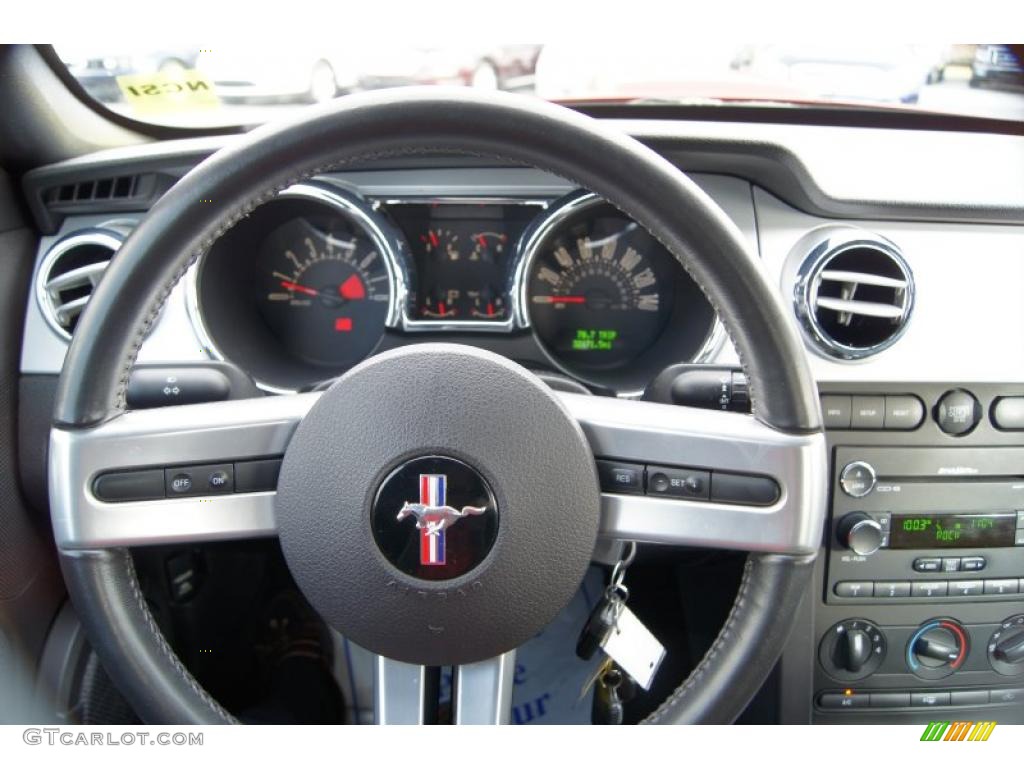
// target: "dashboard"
[[310, 283], [903, 276]]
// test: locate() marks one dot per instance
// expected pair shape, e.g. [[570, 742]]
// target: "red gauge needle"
[[288, 286], [560, 299]]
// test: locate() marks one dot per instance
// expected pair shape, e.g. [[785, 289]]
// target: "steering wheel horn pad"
[[494, 417]]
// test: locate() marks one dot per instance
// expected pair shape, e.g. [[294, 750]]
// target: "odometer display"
[[600, 293]]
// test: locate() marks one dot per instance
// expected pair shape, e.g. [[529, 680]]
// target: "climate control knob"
[[859, 532], [1006, 647], [937, 649], [852, 649]]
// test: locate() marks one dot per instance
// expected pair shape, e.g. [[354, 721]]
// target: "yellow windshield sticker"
[[170, 91]]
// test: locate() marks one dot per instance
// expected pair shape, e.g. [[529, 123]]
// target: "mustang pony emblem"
[[433, 516]]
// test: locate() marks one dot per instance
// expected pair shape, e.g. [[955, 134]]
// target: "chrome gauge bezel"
[[529, 248], [387, 241], [414, 325]]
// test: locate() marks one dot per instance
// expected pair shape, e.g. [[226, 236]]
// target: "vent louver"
[[95, 190], [854, 295], [69, 274]]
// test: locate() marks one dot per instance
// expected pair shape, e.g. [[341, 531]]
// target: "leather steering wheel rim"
[[403, 122]]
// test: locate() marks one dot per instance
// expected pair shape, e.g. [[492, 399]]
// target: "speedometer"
[[596, 298], [605, 299]]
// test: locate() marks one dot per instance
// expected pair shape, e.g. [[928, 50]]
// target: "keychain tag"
[[634, 648]]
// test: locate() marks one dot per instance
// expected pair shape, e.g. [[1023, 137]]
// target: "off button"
[[857, 479]]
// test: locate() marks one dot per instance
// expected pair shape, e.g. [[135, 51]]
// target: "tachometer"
[[326, 288], [301, 289]]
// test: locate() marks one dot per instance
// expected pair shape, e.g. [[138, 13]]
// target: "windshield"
[[224, 86]]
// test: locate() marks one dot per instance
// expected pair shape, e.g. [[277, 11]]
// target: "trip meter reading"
[[597, 298]]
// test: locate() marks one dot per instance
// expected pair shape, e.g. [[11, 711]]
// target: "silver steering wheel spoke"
[[147, 440], [406, 694], [623, 430], [715, 441]]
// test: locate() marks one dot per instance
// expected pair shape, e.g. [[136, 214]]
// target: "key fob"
[[607, 709], [599, 624]]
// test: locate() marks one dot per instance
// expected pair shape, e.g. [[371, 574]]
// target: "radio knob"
[[938, 648], [1006, 647], [860, 532]]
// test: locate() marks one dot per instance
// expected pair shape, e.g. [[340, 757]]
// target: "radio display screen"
[[952, 530]]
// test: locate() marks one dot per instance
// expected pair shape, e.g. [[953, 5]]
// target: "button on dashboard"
[[930, 699], [928, 588], [868, 412]]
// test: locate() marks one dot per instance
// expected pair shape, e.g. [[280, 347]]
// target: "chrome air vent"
[[69, 274], [854, 294]]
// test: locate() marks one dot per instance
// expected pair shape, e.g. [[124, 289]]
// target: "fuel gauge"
[[487, 304], [439, 305]]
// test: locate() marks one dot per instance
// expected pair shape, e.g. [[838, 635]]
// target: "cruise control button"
[[928, 588], [928, 564], [903, 412], [890, 699], [972, 563], [729, 488], [1000, 586], [204, 480], [930, 699], [619, 477], [836, 411], [868, 412], [854, 589], [966, 588], [892, 589], [134, 485], [179, 483], [678, 483]]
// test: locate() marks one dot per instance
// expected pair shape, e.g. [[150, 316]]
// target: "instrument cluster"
[[320, 278]]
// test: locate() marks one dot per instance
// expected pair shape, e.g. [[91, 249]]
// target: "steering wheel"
[[507, 445]]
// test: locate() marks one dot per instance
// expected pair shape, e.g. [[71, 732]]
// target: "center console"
[[918, 605]]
